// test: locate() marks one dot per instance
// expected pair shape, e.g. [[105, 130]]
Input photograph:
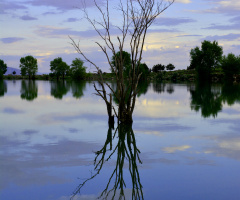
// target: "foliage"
[[230, 65], [116, 62], [78, 71], [170, 67], [28, 66], [58, 67], [158, 67], [144, 70], [3, 68], [206, 59]]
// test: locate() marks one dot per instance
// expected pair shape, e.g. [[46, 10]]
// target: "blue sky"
[[41, 28]]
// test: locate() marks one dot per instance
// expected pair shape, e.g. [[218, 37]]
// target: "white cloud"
[[183, 1]]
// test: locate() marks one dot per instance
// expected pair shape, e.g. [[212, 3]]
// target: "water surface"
[[185, 142]]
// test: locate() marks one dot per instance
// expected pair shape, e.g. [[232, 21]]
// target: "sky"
[[41, 28]]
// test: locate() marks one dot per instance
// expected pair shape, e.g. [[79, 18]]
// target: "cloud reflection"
[[25, 164], [176, 148]]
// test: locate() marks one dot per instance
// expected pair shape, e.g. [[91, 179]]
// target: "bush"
[[230, 65]]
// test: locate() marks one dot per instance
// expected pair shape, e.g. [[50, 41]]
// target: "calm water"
[[184, 142]]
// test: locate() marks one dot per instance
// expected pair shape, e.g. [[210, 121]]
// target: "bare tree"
[[137, 17]]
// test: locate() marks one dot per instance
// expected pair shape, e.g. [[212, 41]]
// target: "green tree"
[[158, 67], [230, 65], [3, 68], [59, 67], [29, 66], [78, 71], [144, 70], [206, 59], [170, 67], [121, 56]]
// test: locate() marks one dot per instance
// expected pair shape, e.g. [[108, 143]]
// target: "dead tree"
[[137, 17]]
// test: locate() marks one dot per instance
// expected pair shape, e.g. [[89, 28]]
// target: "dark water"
[[184, 143]]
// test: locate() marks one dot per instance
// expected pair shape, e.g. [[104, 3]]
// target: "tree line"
[[209, 58], [204, 60], [59, 68]]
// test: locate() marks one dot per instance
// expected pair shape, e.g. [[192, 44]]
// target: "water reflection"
[[59, 88], [210, 98], [125, 149], [29, 90], [143, 87], [170, 88], [231, 93], [3, 88], [159, 87], [77, 88], [206, 98]]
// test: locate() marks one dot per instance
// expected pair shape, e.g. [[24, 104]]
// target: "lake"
[[184, 143]]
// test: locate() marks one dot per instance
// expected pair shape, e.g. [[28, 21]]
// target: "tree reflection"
[[170, 88], [29, 90], [230, 93], [143, 87], [206, 98], [125, 149], [77, 88], [3, 88], [59, 89], [159, 87]]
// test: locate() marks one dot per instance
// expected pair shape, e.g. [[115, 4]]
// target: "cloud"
[[30, 132], [177, 148], [169, 21], [230, 7], [230, 36], [234, 24], [10, 6], [27, 18], [183, 1], [53, 32], [72, 20], [11, 39], [10, 110], [64, 5]]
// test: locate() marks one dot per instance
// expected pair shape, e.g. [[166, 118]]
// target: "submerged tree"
[[137, 17]]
